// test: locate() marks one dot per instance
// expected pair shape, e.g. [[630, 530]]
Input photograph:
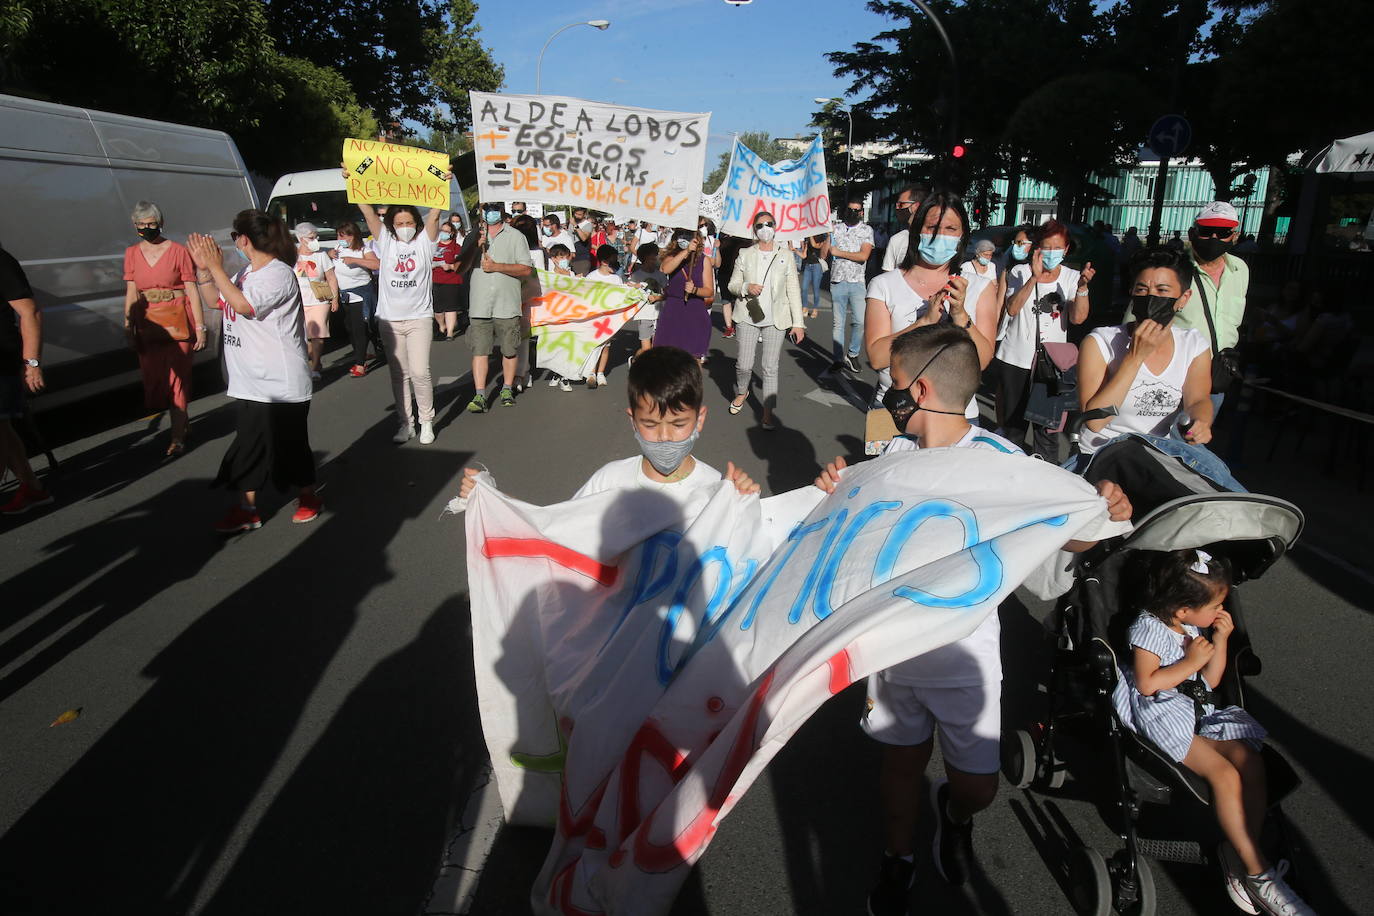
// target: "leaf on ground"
[[69, 716]]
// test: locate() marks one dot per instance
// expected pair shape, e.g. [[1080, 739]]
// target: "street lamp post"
[[600, 24], [849, 145]]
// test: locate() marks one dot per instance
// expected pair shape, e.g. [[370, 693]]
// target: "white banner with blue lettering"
[[794, 191], [641, 658]]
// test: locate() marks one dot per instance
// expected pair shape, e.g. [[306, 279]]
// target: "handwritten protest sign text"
[[388, 173]]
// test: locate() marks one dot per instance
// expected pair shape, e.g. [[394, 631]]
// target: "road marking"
[[826, 398], [467, 850]]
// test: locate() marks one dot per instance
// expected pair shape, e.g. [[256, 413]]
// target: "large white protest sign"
[[573, 317], [660, 652], [794, 191], [636, 162]]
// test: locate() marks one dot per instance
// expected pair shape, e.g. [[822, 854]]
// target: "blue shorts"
[[11, 397]]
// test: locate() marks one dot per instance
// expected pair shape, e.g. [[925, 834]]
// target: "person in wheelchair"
[[1166, 695]]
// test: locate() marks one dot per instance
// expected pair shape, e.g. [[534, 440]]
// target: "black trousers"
[[1012, 385], [272, 443]]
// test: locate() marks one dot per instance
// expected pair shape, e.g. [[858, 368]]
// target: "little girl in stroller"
[[1166, 695]]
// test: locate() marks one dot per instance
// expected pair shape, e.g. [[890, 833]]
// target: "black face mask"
[[851, 218], [902, 406], [1159, 309], [149, 234], [1209, 249]]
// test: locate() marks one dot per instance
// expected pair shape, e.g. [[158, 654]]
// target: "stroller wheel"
[[1143, 900], [1090, 884], [1018, 758]]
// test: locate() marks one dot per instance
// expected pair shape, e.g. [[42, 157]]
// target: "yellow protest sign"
[[388, 173]]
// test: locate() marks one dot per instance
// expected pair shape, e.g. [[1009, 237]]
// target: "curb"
[[466, 852]]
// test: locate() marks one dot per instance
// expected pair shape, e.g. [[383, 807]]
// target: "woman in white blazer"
[[767, 306]]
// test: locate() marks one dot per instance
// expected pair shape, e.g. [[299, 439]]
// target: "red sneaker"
[[730, 331], [239, 519], [358, 371], [307, 509], [25, 499]]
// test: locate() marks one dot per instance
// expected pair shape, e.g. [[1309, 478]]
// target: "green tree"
[[401, 56], [762, 143]]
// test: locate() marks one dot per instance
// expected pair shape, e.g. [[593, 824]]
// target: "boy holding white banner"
[[959, 686]]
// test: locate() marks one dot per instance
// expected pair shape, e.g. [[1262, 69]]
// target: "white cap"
[[1218, 213]]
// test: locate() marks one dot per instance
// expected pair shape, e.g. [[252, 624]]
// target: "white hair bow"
[[1203, 558]]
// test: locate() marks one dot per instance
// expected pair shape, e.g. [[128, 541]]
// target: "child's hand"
[[743, 485], [469, 482], [1118, 506], [1199, 651], [830, 477], [1223, 626]]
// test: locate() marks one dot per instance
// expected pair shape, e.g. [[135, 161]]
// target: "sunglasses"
[[761, 225], [1213, 232]]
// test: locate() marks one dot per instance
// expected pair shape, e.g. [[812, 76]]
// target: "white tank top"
[[1154, 401]]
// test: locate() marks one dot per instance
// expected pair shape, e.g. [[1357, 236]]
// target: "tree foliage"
[[280, 87], [1058, 89]]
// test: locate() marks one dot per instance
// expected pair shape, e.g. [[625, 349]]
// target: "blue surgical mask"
[[562, 263], [492, 217], [984, 260], [684, 244], [1051, 257], [938, 249], [445, 236], [1020, 251], [667, 457]]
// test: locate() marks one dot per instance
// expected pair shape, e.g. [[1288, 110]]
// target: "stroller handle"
[[1074, 430]]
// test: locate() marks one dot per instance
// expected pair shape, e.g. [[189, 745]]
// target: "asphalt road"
[[284, 721]]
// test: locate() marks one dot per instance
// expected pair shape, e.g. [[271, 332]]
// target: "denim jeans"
[[811, 286], [847, 303], [1196, 457]]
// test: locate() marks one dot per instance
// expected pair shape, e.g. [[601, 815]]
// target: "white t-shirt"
[[629, 472], [1154, 401], [349, 276], [599, 277], [896, 250], [405, 282], [905, 305], [309, 267], [561, 237], [970, 271], [1017, 347], [977, 658], [264, 353]]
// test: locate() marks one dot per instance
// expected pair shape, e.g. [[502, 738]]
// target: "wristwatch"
[[31, 363]]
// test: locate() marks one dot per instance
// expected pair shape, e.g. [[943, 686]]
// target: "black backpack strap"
[[1206, 310]]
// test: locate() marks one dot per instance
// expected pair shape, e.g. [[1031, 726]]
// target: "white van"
[[320, 198], [74, 177]]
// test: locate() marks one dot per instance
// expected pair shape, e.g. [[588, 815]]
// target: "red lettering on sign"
[[603, 328], [568, 559]]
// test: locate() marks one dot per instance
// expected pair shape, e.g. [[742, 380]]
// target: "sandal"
[[175, 449], [736, 408]]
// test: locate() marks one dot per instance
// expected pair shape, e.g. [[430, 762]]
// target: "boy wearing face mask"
[[934, 372], [495, 304], [666, 413]]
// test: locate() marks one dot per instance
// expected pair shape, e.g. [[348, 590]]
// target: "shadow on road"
[[149, 811]]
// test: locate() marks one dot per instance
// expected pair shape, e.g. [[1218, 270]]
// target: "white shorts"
[[970, 720]]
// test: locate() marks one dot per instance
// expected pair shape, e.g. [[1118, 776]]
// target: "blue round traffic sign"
[[1170, 136]]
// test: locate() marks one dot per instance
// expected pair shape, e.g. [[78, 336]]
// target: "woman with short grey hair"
[[163, 318]]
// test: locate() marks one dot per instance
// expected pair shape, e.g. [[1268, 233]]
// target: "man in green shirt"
[[494, 303], [1222, 280]]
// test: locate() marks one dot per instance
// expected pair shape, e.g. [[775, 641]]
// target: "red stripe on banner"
[[568, 559], [840, 677]]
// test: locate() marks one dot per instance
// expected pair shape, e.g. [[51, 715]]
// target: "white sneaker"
[[404, 434], [1272, 895], [564, 385], [426, 433], [1234, 874], [600, 379], [556, 381], [315, 375]]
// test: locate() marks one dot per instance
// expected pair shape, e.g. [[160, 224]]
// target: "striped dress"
[[1167, 717]]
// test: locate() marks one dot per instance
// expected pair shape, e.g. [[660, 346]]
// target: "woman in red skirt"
[[162, 318]]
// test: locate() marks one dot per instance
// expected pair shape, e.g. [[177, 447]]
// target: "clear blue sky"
[[755, 67]]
